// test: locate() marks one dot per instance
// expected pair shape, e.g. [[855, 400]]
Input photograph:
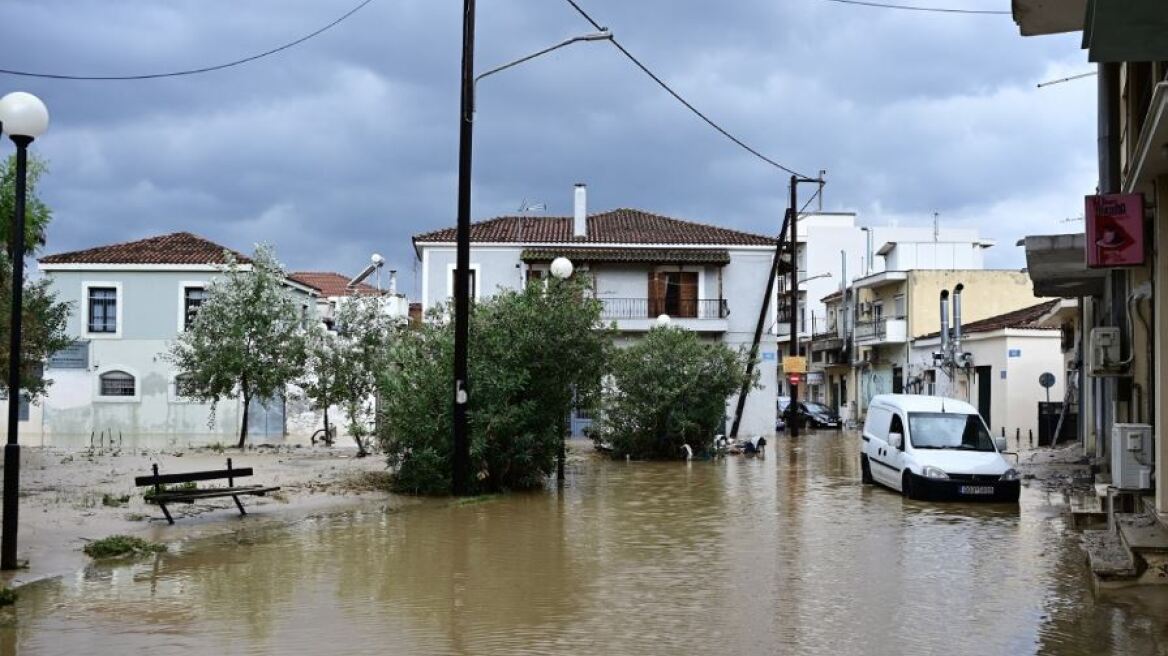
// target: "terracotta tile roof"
[[331, 284], [622, 226], [1025, 318], [655, 255], [174, 248]]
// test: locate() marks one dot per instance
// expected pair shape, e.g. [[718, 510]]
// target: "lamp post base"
[[8, 560]]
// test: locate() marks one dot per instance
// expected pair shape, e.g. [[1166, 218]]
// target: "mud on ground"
[[69, 497]]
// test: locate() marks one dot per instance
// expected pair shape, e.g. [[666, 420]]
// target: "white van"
[[929, 447]]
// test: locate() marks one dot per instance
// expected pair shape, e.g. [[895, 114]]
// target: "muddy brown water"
[[787, 554]]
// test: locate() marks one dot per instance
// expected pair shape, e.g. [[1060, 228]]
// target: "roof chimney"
[[580, 216]]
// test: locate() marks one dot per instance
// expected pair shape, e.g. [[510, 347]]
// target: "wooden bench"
[[163, 496]]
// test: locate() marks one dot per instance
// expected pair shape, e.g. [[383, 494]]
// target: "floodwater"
[[783, 555]]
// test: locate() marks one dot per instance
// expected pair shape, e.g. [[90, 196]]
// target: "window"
[[183, 386], [534, 275], [878, 310], [939, 430], [103, 310], [674, 293], [898, 307], [193, 298], [116, 383]]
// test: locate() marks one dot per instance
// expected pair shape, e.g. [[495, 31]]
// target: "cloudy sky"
[[348, 144]]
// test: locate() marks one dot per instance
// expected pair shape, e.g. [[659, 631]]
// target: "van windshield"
[[940, 430]]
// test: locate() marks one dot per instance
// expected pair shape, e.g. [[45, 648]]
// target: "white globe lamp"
[[663, 321], [562, 268], [23, 115]]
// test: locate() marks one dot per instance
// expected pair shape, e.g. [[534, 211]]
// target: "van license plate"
[[977, 489]]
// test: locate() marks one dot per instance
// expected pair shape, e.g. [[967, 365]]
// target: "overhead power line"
[[678, 96], [195, 71], [941, 10]]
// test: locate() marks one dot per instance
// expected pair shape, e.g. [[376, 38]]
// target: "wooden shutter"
[[688, 298], [656, 293]]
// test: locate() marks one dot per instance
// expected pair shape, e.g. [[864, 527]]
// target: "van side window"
[[897, 425]]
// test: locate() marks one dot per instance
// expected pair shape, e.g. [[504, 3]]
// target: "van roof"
[[921, 403]]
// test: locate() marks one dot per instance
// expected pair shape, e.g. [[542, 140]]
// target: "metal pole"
[[8, 527], [460, 457], [794, 234]]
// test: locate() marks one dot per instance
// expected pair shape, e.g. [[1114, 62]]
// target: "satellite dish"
[[1046, 380]]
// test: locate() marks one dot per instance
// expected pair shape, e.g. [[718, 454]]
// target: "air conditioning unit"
[[1131, 456], [1103, 356]]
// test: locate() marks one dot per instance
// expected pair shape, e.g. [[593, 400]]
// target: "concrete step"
[[1146, 539], [1111, 562]]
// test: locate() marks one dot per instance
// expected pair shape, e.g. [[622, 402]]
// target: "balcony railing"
[[644, 308], [877, 330]]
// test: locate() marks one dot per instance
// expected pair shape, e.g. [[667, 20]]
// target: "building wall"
[[1015, 392], [496, 267], [150, 305], [986, 294]]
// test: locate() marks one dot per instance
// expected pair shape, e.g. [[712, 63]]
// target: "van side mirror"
[[1000, 444], [896, 440]]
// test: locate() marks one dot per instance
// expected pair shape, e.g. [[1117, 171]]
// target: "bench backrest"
[[157, 479]]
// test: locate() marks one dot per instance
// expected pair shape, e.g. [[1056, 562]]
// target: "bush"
[[7, 596], [117, 546], [668, 390], [531, 353]]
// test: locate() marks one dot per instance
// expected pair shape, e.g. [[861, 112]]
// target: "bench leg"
[[167, 513], [239, 505]]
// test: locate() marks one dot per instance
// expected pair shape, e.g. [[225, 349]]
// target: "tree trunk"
[[328, 436], [243, 425]]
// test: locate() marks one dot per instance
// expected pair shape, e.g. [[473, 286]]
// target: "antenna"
[[936, 226], [525, 206]]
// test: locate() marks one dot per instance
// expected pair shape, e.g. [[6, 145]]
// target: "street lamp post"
[[794, 214], [561, 268], [460, 459], [25, 118]]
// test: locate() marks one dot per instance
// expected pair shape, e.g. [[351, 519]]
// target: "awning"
[[1058, 266], [1126, 30], [647, 255], [1035, 17]]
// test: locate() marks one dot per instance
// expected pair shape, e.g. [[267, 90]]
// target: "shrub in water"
[[531, 353], [668, 389]]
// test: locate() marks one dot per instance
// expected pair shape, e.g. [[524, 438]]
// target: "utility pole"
[[460, 457], [794, 303]]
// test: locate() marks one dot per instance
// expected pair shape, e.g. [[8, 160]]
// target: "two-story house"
[[641, 265], [129, 301]]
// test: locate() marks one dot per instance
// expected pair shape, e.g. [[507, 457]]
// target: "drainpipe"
[[1118, 390]]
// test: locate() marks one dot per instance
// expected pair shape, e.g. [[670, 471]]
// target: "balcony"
[[640, 314], [882, 331]]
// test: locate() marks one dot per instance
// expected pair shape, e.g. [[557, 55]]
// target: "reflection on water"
[[747, 556]]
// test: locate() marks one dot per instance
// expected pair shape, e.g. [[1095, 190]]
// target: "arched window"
[[117, 383]]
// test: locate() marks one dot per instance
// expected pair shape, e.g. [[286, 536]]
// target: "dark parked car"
[[813, 415]]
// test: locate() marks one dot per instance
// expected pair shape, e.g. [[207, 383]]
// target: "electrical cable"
[[194, 71], [942, 10], [653, 76]]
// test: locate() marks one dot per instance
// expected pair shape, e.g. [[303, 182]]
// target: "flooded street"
[[788, 554]]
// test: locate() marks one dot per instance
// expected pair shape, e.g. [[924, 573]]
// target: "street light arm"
[[603, 35]]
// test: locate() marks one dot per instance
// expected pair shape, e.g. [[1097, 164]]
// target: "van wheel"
[[865, 471], [906, 486]]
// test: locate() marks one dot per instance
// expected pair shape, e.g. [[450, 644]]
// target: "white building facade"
[[129, 302]]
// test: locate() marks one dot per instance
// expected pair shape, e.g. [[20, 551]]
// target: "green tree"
[[667, 390], [321, 365], [42, 332], [43, 317], [359, 353], [247, 339], [37, 214], [531, 353]]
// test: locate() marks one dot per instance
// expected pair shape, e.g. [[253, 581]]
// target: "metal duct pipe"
[[957, 318], [945, 321]]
